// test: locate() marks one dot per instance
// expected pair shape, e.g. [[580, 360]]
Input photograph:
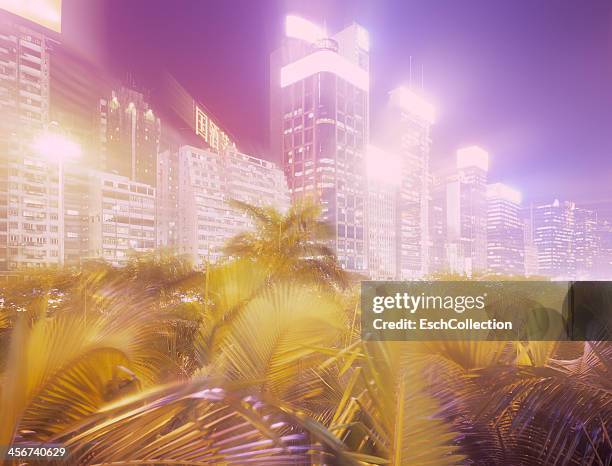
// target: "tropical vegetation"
[[258, 360]]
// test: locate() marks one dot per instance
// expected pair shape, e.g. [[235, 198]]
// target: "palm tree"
[[295, 244], [61, 368], [260, 367]]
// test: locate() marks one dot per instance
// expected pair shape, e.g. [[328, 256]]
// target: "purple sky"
[[531, 81]]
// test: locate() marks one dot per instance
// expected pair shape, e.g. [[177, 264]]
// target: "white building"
[[122, 217], [26, 223], [201, 220]]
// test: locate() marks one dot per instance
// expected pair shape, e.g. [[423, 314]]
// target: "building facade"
[[319, 126], [122, 217], [505, 231], [195, 210], [586, 243], [552, 226], [408, 127], [466, 213], [383, 179], [24, 112], [129, 132]]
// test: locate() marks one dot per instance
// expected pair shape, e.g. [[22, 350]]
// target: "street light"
[[56, 147]]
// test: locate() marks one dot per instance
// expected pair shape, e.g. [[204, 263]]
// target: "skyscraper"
[[585, 242], [383, 178], [129, 136], [553, 232], [407, 132], [505, 233], [319, 102], [466, 212]]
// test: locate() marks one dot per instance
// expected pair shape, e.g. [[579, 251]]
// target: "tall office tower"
[[129, 135], [383, 177], [197, 219], [466, 212], [122, 217], [505, 232], [603, 263], [603, 233], [553, 233], [586, 243], [407, 128], [531, 251], [438, 255], [319, 101]]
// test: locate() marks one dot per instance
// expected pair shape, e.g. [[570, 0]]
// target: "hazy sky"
[[530, 81]]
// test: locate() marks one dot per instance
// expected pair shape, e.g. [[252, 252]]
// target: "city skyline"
[[95, 167], [530, 118]]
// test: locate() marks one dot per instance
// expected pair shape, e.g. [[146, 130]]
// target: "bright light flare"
[[473, 156], [383, 167], [505, 192], [56, 147], [47, 13], [325, 61], [413, 103], [300, 28]]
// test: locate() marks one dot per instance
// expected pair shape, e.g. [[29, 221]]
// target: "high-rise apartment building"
[[505, 232], [407, 133], [64, 216], [319, 102], [24, 113], [129, 132], [122, 217], [466, 212], [195, 214]]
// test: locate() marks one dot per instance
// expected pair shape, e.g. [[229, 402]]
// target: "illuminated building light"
[[412, 102], [473, 156], [382, 166], [363, 39], [325, 61], [47, 13], [505, 192], [208, 130], [56, 147], [300, 28]]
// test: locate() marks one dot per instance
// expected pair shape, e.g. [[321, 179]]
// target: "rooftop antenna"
[[422, 77], [410, 74]]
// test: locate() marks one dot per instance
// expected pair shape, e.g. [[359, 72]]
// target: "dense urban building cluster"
[[90, 169]]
